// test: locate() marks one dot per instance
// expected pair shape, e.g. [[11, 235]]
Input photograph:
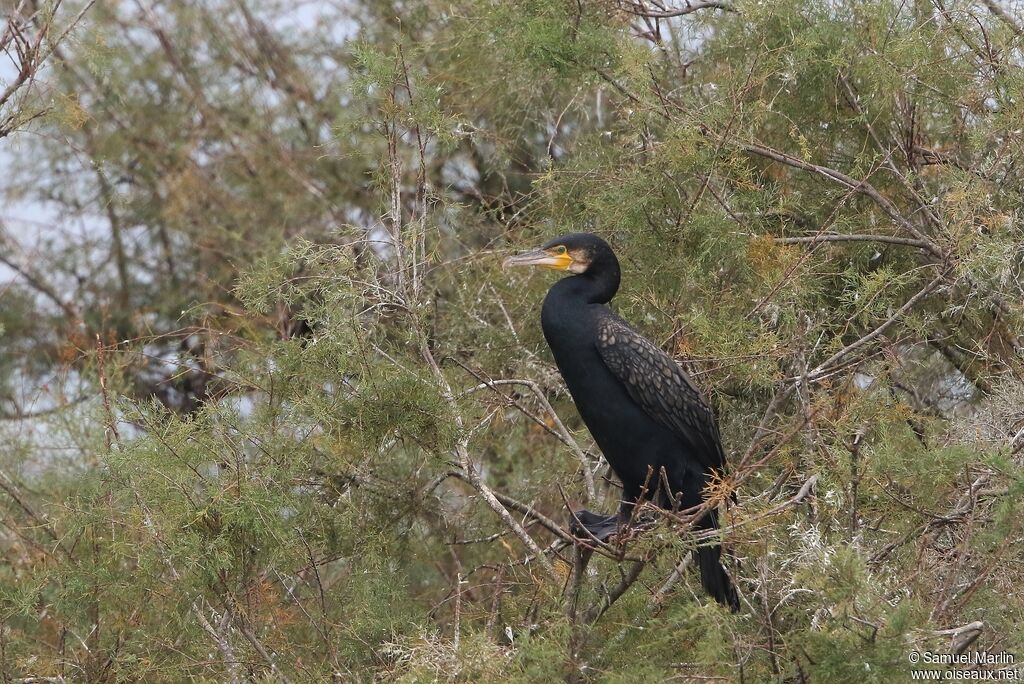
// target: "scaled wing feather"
[[661, 387]]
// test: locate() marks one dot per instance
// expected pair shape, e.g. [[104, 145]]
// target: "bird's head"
[[575, 253]]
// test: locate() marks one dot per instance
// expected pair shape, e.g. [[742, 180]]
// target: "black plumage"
[[649, 420]]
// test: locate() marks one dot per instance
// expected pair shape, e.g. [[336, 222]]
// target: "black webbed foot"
[[589, 526]]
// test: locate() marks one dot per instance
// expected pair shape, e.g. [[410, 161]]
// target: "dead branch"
[[641, 10], [218, 636], [834, 237], [467, 469], [963, 636]]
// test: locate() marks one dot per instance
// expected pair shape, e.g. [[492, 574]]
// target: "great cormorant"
[[641, 407]]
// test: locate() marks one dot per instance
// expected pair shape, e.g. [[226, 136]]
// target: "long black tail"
[[714, 577]]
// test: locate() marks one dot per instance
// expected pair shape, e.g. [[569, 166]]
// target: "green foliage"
[[245, 385], [553, 36]]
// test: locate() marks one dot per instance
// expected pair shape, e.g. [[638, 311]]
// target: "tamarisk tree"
[[274, 413]]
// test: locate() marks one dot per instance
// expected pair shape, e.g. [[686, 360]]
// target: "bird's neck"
[[589, 288]]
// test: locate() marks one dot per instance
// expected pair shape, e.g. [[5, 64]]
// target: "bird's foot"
[[589, 526]]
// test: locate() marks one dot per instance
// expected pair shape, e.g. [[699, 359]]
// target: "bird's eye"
[[560, 249]]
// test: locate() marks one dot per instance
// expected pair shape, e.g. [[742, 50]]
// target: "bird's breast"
[[601, 399], [630, 439]]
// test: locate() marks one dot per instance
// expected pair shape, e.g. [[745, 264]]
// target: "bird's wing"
[[661, 387]]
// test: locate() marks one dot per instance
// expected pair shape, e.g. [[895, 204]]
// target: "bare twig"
[[832, 237], [36, 281], [30, 53], [457, 627], [688, 516], [961, 507], [394, 220], [641, 10], [467, 467], [268, 658], [824, 367], [217, 636], [861, 186], [10, 489], [616, 592], [559, 430]]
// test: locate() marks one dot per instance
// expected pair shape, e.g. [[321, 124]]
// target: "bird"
[[650, 421]]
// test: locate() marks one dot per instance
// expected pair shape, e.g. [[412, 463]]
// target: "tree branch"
[[1004, 16], [835, 237], [36, 281], [640, 10], [861, 186], [823, 368], [559, 431]]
